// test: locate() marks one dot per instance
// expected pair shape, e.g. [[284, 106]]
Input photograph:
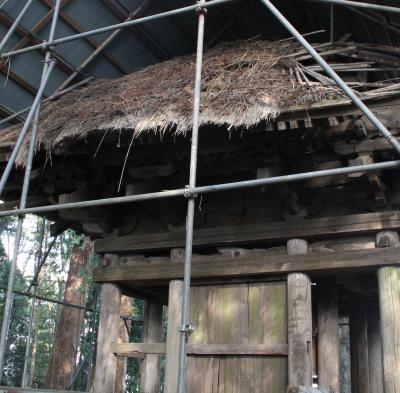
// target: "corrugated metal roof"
[[142, 45]]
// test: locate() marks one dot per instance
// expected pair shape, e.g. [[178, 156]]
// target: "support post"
[[152, 333], [125, 311], [328, 337], [359, 346], [173, 335], [375, 349], [389, 301], [299, 321], [106, 361]]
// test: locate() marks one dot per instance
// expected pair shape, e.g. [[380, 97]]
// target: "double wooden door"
[[239, 344]]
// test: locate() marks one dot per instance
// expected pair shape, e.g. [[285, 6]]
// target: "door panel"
[[238, 314]]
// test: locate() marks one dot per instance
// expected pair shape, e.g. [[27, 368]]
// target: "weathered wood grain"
[[299, 314], [137, 349], [329, 226], [173, 336], [106, 361], [375, 349], [359, 346], [255, 266], [328, 337]]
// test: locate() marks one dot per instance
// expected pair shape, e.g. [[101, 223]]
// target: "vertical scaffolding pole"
[[47, 69], [186, 327], [24, 383]]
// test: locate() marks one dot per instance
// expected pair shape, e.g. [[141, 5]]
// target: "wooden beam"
[[315, 263], [151, 333], [173, 336], [328, 335], [389, 300], [299, 314], [106, 361], [139, 350], [242, 234], [136, 350]]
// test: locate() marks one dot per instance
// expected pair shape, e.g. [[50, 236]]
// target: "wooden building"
[[294, 284]]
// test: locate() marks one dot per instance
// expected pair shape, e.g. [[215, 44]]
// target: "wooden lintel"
[[138, 350], [283, 230], [315, 263]]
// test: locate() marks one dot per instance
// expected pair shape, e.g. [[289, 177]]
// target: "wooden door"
[[250, 319]]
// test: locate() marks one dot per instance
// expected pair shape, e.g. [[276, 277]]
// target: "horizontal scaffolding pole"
[[45, 299], [150, 18], [189, 192], [348, 3]]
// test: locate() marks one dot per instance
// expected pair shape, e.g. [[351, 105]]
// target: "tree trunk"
[[65, 347], [34, 345]]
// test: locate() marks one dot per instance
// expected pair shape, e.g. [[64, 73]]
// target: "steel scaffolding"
[[191, 191]]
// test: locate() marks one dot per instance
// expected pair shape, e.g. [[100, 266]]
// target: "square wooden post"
[[152, 333], [106, 361], [299, 321], [328, 335], [375, 349], [359, 345], [173, 335], [389, 300]]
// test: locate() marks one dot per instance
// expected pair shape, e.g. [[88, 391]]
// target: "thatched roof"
[[244, 83]]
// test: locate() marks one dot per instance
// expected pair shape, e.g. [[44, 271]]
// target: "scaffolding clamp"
[[200, 7], [188, 192], [187, 329]]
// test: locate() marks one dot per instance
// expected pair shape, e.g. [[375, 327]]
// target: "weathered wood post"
[[299, 321], [173, 335], [328, 335], [389, 301], [152, 333], [359, 345], [106, 361], [375, 349]]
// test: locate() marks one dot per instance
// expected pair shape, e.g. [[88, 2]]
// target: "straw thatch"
[[243, 84]]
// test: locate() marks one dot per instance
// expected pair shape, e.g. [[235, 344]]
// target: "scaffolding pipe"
[[47, 69], [24, 383], [348, 3], [104, 44], [205, 189], [14, 26], [150, 18], [333, 75], [3, 4], [51, 98], [47, 300], [25, 128], [186, 328]]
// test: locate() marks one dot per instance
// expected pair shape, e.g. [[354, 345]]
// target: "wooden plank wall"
[[238, 314]]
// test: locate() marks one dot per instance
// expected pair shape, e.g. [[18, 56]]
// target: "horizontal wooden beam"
[[317, 263], [139, 350], [242, 234], [237, 349]]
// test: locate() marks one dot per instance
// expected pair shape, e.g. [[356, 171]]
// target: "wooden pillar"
[[123, 337], [152, 333], [173, 335], [375, 350], [299, 321], [389, 301], [106, 361], [359, 345], [328, 337]]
